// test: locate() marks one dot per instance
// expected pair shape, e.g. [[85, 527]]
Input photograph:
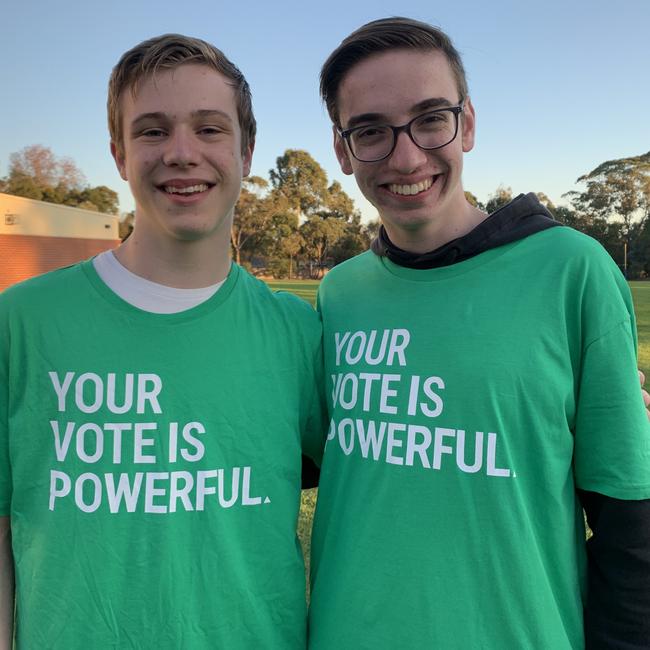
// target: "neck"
[[177, 263], [423, 238]]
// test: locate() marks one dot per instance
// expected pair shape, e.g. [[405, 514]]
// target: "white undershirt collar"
[[145, 294]]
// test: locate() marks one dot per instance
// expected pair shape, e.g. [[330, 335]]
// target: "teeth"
[[409, 190], [170, 189]]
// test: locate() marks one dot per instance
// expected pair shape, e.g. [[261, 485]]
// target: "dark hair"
[[167, 52], [380, 36]]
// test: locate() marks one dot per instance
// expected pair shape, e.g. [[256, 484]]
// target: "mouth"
[[411, 189], [186, 190]]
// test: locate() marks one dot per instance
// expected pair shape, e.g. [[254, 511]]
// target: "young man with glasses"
[[154, 401], [482, 386]]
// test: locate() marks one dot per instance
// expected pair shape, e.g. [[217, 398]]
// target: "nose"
[[181, 149], [407, 156]]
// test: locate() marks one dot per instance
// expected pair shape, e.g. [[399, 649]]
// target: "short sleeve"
[[612, 432]]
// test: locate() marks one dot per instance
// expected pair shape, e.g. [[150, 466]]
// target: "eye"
[[211, 130], [153, 132], [431, 122], [432, 118], [370, 133]]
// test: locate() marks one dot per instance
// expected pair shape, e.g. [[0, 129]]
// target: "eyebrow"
[[160, 116], [430, 103]]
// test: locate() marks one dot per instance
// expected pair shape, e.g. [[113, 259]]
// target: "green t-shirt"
[[151, 464], [468, 403]]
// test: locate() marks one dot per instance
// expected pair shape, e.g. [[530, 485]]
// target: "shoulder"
[[282, 305], [42, 290], [564, 242], [571, 255], [584, 273], [353, 268]]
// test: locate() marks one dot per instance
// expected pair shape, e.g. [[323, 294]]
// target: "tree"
[[371, 229], [471, 199], [332, 229], [354, 240], [338, 203], [20, 184], [640, 249], [99, 199], [319, 235], [283, 240], [501, 197], [126, 225], [251, 215], [546, 202], [301, 180], [617, 191], [39, 163], [36, 173]]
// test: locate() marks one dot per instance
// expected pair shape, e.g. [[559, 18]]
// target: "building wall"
[[24, 256], [36, 237], [20, 216]]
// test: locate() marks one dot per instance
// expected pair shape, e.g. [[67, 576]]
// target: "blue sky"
[[558, 87]]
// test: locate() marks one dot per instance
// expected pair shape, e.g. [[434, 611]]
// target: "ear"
[[247, 159], [120, 161], [468, 125], [342, 153]]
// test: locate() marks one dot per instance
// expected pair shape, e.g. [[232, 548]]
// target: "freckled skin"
[[182, 144]]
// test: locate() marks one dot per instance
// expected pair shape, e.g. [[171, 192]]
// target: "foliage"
[[126, 225], [36, 173], [472, 200], [100, 199], [40, 164], [300, 225], [501, 197], [614, 207], [618, 188], [319, 234], [250, 217], [301, 180]]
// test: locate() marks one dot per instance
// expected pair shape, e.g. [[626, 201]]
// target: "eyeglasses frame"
[[456, 110]]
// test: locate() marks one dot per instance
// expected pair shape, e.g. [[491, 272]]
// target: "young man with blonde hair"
[[154, 401], [482, 387]]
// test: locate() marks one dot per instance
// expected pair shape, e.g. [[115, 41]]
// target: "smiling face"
[[182, 154], [418, 193]]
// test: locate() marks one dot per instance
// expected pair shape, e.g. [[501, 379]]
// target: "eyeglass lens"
[[429, 131]]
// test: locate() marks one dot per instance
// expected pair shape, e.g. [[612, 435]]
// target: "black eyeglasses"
[[432, 130]]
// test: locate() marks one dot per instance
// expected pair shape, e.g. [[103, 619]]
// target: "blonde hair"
[[167, 52]]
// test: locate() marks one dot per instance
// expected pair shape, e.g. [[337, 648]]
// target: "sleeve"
[[5, 468], [314, 416], [612, 431], [617, 609], [314, 430]]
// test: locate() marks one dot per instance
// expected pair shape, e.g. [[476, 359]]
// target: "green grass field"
[[306, 289], [641, 296]]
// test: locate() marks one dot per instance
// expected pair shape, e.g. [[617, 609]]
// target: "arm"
[[617, 611], [6, 586]]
